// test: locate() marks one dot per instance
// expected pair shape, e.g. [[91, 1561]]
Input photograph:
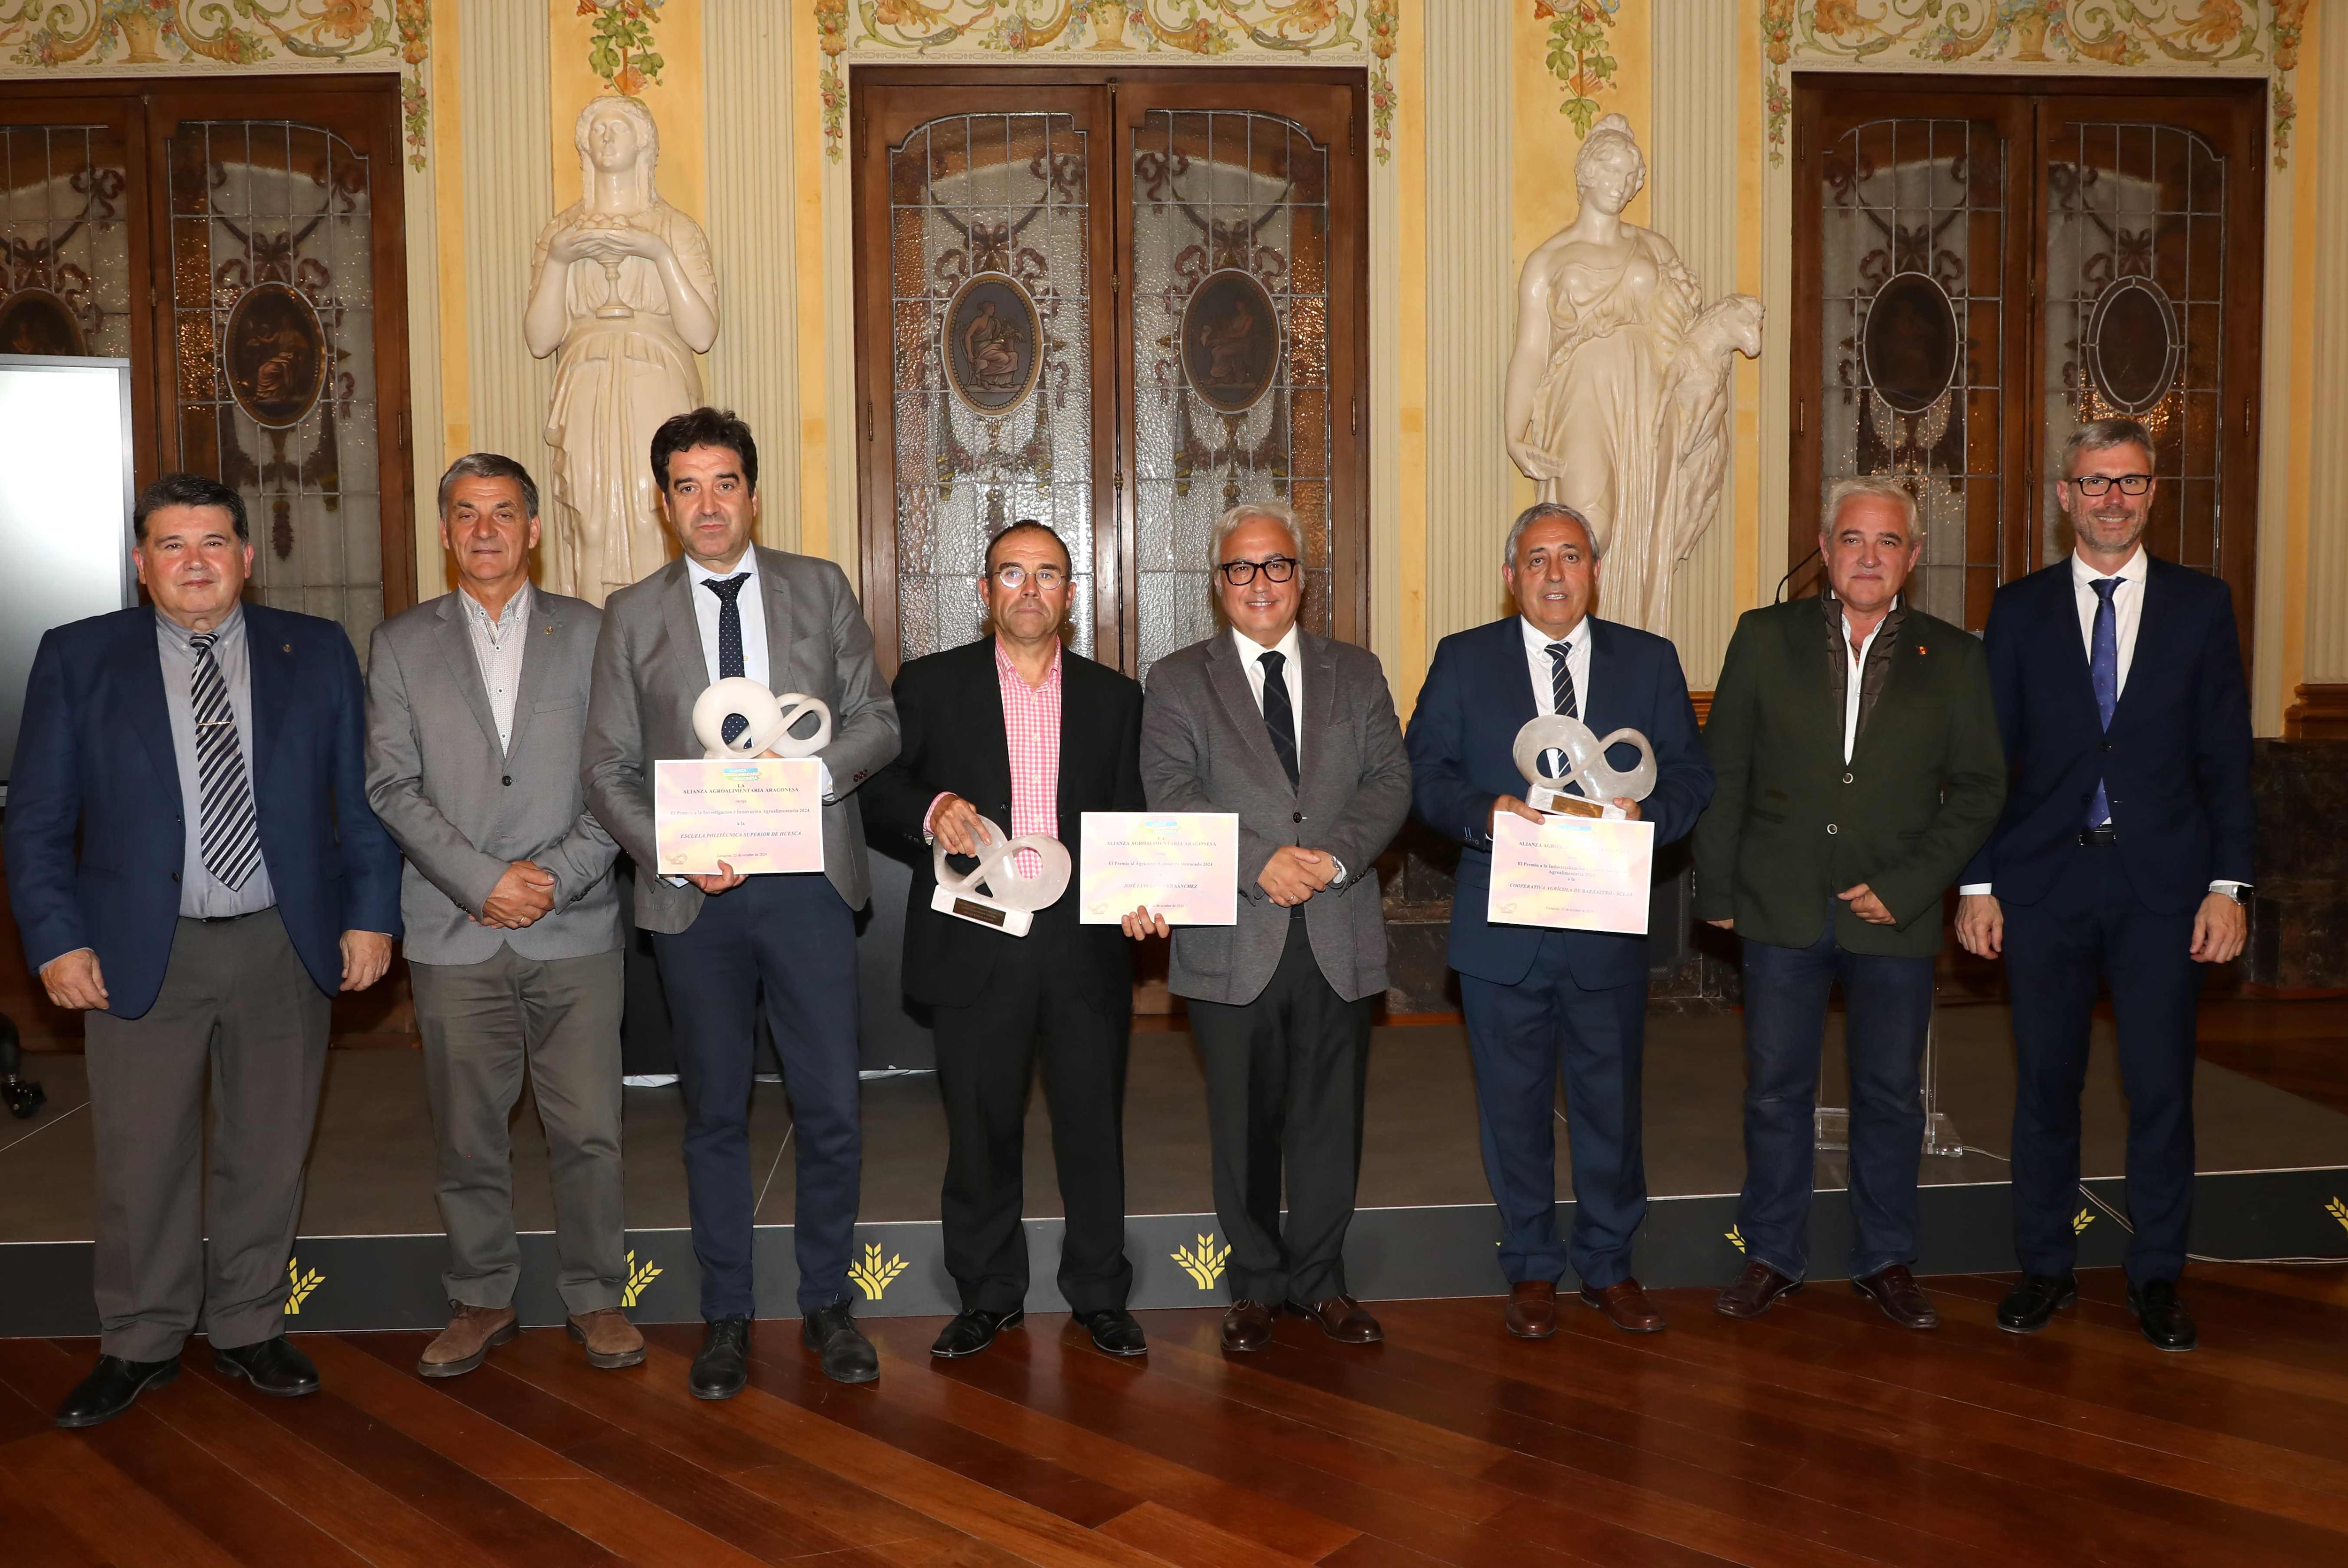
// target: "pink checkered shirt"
[[1031, 735]]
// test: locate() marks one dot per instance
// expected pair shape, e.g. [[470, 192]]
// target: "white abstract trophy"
[[1010, 899], [1617, 395], [622, 295], [766, 721]]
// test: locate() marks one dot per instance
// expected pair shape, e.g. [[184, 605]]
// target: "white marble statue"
[[622, 292], [1618, 388]]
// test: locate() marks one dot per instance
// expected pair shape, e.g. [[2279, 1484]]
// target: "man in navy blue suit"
[[2122, 857], [1536, 1000], [210, 756]]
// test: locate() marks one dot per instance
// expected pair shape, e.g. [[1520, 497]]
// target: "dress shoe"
[[113, 1389], [272, 1366], [1626, 1305], [1755, 1291], [1533, 1309], [2035, 1299], [1114, 1331], [2162, 1316], [610, 1338], [465, 1343], [1247, 1325], [848, 1356], [723, 1369], [973, 1331], [1341, 1319], [1895, 1292]]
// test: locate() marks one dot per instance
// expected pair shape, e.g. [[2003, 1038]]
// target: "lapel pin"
[[289, 647]]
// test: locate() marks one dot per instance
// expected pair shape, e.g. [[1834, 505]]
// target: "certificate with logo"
[[1571, 873], [1183, 866], [758, 814]]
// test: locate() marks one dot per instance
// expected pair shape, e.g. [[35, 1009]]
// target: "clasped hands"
[[1291, 875], [607, 244], [1863, 903], [523, 896]]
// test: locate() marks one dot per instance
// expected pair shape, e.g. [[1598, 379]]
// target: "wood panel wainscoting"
[[2320, 713]]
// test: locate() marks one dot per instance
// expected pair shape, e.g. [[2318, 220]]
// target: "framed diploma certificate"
[[758, 814], [1573, 873], [1183, 865]]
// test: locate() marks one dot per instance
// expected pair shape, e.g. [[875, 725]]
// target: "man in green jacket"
[[1856, 752]]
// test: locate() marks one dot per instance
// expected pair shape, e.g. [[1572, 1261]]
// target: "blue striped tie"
[[230, 834]]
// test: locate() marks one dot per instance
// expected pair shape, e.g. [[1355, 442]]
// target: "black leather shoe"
[[1754, 1291], [723, 1369], [848, 1356], [2162, 1316], [1114, 1331], [272, 1366], [2028, 1306], [113, 1389], [1895, 1291], [970, 1333]]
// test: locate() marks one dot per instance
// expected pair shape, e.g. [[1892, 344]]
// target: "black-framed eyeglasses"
[[1011, 574], [1239, 574], [2100, 484]]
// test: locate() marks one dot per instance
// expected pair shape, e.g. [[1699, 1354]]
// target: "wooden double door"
[[1118, 304], [1983, 265]]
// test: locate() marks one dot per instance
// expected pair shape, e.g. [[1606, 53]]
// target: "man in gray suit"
[[1297, 735], [729, 945], [476, 704]]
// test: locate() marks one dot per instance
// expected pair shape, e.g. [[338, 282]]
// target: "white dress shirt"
[[1577, 662], [2127, 616], [1292, 673], [499, 650], [753, 607], [1855, 666]]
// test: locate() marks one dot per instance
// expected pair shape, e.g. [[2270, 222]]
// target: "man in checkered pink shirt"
[[1022, 731]]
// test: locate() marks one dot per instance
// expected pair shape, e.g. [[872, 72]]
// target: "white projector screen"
[[66, 491]]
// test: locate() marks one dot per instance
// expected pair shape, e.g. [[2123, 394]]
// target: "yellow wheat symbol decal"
[[872, 1276], [2338, 1211], [2082, 1219], [302, 1283], [638, 1278], [1737, 1236], [1204, 1266]]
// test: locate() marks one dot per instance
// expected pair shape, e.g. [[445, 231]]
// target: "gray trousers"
[[483, 1023], [235, 1003]]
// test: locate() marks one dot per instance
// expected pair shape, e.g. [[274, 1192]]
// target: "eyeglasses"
[[1239, 574], [1011, 574], [2099, 484]]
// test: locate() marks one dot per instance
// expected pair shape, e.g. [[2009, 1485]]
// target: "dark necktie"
[[1562, 699], [1278, 714], [228, 833], [729, 638], [2104, 668]]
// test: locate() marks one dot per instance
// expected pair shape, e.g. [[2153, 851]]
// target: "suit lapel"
[[272, 666], [684, 630], [984, 694], [1230, 684], [1811, 641], [775, 590], [456, 641], [2147, 664], [138, 667], [539, 634], [1319, 702]]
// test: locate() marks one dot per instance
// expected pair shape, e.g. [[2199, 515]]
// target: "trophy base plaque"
[[1558, 803], [983, 912]]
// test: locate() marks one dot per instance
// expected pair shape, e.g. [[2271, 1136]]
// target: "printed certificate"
[[1183, 865], [760, 814], [1573, 873]]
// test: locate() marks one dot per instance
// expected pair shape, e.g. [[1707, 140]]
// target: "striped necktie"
[[229, 832], [1562, 699]]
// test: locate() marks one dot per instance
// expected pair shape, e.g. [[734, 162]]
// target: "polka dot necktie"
[[2104, 666], [729, 638]]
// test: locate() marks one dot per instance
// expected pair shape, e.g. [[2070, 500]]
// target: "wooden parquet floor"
[[1818, 1435]]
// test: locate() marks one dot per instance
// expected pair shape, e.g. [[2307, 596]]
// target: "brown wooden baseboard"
[[2320, 714], [1703, 701]]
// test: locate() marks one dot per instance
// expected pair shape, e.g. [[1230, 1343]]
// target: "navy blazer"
[[1462, 742], [2175, 762], [94, 758]]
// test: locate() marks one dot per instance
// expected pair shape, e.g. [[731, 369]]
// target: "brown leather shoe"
[[1247, 1325], [610, 1338], [1755, 1291], [1626, 1305], [1895, 1291], [1343, 1319], [466, 1342], [1533, 1309]]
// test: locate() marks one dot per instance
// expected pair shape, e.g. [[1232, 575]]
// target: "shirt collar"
[[1538, 640], [1249, 650], [517, 607], [749, 563], [1005, 669], [2139, 568], [230, 624]]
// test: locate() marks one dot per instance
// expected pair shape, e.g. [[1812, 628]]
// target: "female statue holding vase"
[[622, 292]]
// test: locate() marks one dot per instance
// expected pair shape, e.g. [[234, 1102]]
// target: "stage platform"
[[2273, 1164]]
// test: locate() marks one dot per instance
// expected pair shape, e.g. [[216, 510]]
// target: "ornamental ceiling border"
[[155, 38], [1163, 32], [2151, 37]]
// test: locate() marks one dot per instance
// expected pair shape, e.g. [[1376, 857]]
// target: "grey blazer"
[[1204, 748], [462, 807], [649, 669]]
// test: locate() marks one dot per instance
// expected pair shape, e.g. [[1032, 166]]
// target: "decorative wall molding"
[[2325, 661], [622, 49], [140, 37], [1579, 41], [503, 78]]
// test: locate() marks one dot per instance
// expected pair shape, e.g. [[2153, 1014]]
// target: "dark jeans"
[[1889, 1006], [1521, 1037], [2091, 926], [785, 945]]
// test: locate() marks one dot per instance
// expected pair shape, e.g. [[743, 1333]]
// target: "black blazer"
[[949, 711], [2176, 763]]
